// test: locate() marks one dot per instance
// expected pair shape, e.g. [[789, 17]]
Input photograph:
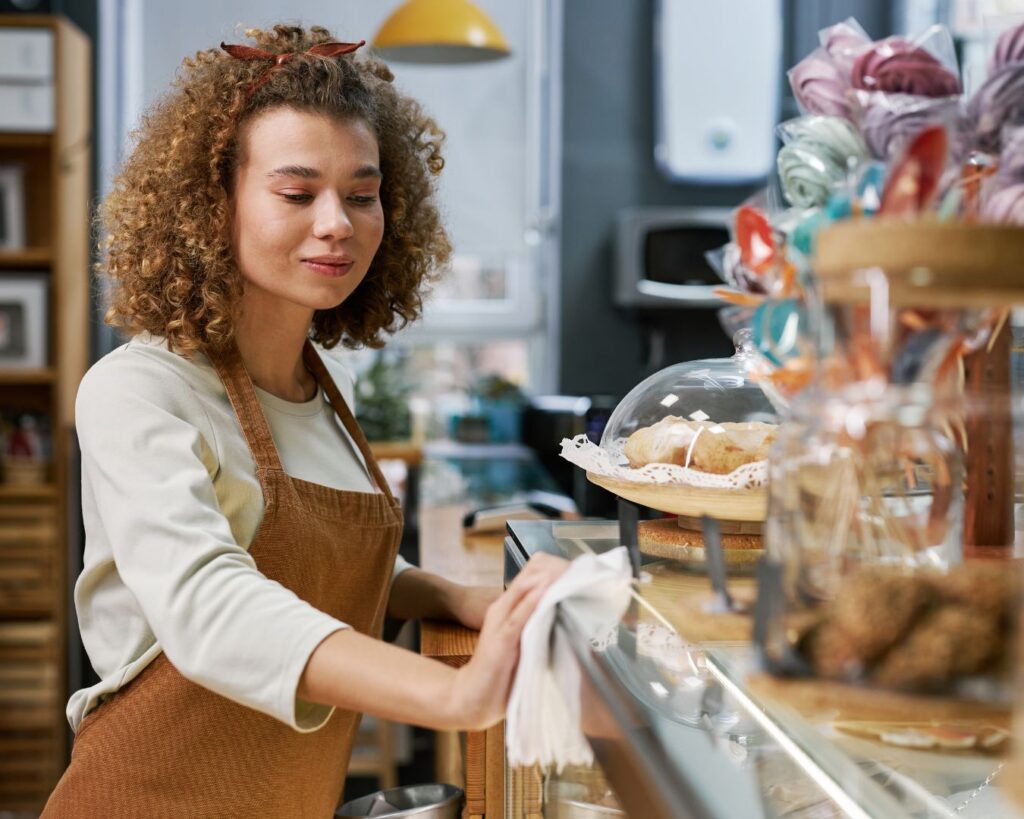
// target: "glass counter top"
[[684, 724]]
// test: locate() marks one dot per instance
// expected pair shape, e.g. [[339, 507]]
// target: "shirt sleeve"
[[148, 455], [401, 565]]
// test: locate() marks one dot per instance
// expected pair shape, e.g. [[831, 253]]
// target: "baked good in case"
[[706, 446], [916, 632], [667, 533]]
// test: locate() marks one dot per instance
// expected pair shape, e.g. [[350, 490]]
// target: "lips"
[[329, 265]]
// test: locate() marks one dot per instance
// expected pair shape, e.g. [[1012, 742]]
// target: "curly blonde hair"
[[168, 251]]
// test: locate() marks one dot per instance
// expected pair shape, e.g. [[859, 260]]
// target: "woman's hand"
[[471, 604], [482, 686]]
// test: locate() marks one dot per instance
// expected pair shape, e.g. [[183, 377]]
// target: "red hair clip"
[[244, 52]]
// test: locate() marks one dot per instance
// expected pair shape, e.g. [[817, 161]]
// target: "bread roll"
[[702, 445]]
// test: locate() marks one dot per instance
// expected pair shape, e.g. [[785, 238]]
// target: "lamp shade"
[[440, 31]]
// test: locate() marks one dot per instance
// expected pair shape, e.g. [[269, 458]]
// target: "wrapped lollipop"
[[899, 68], [844, 42], [896, 65], [821, 80], [1005, 206], [754, 263], [864, 198], [819, 86], [999, 101], [726, 261], [819, 154], [1009, 49], [1011, 159], [889, 122]]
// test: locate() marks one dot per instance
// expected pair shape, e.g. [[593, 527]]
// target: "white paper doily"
[[587, 455]]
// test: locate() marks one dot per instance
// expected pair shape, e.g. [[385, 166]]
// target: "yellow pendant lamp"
[[440, 31]]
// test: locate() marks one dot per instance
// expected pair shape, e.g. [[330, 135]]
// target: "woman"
[[240, 540]]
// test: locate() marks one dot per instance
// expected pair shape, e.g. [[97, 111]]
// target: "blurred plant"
[[493, 387], [382, 400]]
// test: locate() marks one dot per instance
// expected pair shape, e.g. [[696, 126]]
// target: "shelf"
[[12, 139], [43, 490], [406, 451], [34, 257], [45, 376]]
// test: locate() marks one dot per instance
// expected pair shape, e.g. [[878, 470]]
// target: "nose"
[[330, 220]]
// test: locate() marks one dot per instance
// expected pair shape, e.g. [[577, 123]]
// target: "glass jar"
[[901, 453], [858, 479]]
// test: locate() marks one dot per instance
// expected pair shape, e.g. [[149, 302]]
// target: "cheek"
[[375, 226], [260, 227]]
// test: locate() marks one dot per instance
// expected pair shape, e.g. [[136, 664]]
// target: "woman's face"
[[307, 218]]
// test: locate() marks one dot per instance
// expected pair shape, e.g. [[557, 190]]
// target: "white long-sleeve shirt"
[[171, 503]]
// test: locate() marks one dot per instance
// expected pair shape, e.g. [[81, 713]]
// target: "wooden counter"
[[473, 560]]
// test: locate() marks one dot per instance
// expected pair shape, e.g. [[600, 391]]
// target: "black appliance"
[[547, 419]]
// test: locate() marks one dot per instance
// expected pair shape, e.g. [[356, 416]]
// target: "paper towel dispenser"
[[718, 78]]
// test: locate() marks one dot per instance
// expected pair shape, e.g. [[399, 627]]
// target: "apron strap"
[[242, 394], [316, 366]]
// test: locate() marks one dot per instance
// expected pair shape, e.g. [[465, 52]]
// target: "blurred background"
[[592, 158]]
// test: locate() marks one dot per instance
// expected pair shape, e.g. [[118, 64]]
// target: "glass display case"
[[683, 723]]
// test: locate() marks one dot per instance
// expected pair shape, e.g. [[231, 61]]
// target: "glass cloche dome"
[[705, 415], [690, 440]]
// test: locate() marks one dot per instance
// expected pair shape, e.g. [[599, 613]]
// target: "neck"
[[270, 336]]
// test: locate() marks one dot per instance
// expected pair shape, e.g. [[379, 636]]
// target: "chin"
[[329, 301]]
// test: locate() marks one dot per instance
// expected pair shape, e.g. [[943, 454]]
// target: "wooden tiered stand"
[[35, 527]]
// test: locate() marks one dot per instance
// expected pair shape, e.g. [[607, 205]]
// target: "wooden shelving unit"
[[47, 375], [35, 530], [31, 258]]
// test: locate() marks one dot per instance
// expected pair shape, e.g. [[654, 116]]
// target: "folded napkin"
[[543, 721]]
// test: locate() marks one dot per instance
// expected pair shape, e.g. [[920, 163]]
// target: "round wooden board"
[[695, 501]]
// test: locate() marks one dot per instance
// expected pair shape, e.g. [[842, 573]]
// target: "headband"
[[244, 52]]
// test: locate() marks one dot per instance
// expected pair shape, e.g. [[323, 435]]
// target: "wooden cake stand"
[[739, 513], [692, 501]]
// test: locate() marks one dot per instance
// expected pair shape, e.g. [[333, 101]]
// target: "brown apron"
[[163, 746]]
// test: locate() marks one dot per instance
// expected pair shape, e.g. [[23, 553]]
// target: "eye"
[[363, 200], [297, 197]]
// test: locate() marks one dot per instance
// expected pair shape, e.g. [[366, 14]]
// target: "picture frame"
[[23, 322], [12, 207]]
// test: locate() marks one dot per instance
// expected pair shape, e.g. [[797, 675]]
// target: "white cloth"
[[171, 503], [542, 725]]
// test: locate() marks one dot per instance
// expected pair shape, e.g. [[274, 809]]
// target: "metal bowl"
[[438, 801], [573, 809]]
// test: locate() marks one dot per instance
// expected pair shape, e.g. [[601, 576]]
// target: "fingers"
[[540, 572], [521, 613], [543, 566], [516, 591], [492, 668]]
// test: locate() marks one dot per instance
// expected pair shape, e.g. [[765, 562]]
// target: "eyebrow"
[[305, 172]]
